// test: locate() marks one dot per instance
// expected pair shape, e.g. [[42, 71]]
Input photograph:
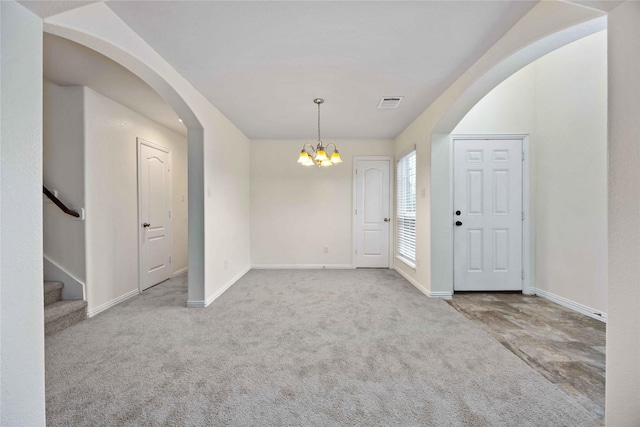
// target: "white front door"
[[372, 213], [487, 215], [154, 193]]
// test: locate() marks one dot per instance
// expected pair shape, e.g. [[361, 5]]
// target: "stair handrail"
[[58, 203]]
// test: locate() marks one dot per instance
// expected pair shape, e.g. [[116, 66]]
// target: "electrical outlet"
[[326, 249]]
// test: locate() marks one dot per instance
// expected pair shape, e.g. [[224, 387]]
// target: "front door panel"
[[488, 228]]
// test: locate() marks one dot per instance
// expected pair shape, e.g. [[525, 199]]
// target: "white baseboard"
[[196, 304], [181, 271], [441, 294], [572, 305], [107, 305], [208, 301], [302, 267], [430, 294]]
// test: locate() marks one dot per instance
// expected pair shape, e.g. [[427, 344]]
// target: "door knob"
[[387, 219], [146, 224], [458, 223]]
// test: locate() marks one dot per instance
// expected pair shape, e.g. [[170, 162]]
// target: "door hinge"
[[522, 274], [170, 259], [356, 211], [523, 216], [356, 171], [523, 156], [169, 214], [356, 252]]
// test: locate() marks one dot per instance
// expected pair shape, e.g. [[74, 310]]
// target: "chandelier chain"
[[319, 122]]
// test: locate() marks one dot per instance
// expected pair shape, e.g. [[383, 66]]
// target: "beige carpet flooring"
[[294, 348]]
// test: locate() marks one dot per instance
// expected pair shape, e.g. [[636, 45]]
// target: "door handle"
[[387, 219], [146, 224], [458, 223]]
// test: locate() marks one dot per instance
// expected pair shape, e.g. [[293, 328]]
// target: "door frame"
[[354, 241], [528, 287], [139, 143]]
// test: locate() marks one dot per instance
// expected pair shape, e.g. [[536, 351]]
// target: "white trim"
[[406, 151], [212, 298], [140, 142], [528, 285], [196, 304], [572, 305], [354, 240], [111, 303], [430, 294], [302, 267], [75, 288], [181, 271], [406, 262]]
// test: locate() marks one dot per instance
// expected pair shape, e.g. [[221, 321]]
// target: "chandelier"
[[310, 156]]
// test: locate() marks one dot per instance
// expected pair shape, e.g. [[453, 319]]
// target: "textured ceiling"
[[66, 63], [46, 8], [262, 63]]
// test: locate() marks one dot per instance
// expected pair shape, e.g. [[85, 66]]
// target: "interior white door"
[[154, 193], [487, 215], [372, 213]]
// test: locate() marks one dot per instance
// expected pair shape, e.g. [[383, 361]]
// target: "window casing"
[[406, 208]]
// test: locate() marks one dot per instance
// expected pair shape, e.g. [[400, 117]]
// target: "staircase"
[[58, 314]]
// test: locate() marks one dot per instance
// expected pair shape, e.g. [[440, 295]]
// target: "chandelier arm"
[[313, 150], [334, 147]]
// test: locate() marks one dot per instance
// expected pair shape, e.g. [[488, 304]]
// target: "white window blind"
[[406, 204]]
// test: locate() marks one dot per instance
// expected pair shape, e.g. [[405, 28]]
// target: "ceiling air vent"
[[390, 102]]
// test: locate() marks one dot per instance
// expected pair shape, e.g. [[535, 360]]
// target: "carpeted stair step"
[[52, 292], [62, 314]]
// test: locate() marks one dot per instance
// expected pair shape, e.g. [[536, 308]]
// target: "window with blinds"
[[406, 204]]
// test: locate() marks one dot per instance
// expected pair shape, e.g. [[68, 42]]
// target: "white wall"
[[111, 196], [217, 222], [22, 401], [227, 206], [547, 26], [571, 172], [560, 100], [63, 170], [623, 323], [509, 108], [297, 210]]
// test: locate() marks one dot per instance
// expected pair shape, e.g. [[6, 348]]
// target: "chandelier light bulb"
[[335, 157]]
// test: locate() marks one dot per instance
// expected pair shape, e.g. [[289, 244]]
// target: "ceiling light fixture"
[[310, 156]]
